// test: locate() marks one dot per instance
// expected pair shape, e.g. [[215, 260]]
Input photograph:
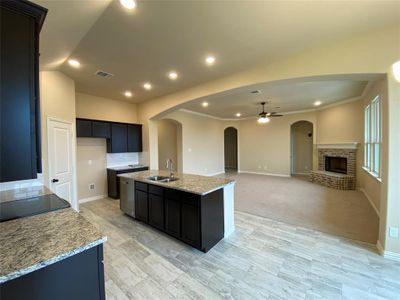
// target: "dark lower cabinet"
[[113, 182], [141, 206], [191, 225], [79, 277], [197, 220], [156, 211], [173, 217]]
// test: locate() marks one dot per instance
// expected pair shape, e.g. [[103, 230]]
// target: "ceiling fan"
[[264, 117]]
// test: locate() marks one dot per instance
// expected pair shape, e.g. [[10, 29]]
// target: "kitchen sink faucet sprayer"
[[170, 167]]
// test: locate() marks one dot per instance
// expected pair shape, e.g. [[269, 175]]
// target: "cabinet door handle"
[[55, 180]]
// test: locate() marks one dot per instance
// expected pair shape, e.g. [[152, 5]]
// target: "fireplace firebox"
[[336, 164]]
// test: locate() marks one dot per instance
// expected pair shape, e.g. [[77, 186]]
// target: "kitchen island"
[[54, 255], [198, 210]]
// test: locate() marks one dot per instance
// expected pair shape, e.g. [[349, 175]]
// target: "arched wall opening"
[[170, 144], [231, 149], [301, 147]]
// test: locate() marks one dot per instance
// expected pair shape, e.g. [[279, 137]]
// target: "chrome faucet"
[[170, 167]]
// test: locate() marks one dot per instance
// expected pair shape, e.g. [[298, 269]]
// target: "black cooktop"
[[31, 206]]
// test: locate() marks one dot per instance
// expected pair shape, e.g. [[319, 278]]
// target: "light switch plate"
[[394, 232]]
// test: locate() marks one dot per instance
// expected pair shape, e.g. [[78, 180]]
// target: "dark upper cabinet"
[[119, 140], [101, 129], [20, 23], [121, 137], [83, 128], [134, 138]]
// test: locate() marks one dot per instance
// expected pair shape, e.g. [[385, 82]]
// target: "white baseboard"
[[387, 254], [370, 201], [83, 200], [216, 173], [299, 173], [267, 174]]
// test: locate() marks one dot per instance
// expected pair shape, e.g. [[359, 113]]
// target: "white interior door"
[[60, 145]]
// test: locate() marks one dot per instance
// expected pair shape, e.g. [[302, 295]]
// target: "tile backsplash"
[[122, 159], [21, 184]]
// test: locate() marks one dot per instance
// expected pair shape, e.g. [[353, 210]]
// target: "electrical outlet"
[[91, 186], [393, 232], [265, 167], [259, 167], [90, 162]]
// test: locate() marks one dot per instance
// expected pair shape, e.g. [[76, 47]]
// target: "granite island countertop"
[[196, 184], [31, 243]]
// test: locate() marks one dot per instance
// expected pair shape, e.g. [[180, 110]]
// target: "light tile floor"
[[263, 259]]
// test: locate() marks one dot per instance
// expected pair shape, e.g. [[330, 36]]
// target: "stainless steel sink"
[[169, 179], [162, 178], [157, 178]]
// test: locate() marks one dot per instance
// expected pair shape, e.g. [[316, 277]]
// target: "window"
[[372, 138]]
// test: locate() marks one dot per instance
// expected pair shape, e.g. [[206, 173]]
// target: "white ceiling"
[[159, 36], [282, 97]]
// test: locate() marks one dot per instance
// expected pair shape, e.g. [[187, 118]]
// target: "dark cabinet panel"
[[173, 217], [134, 138], [79, 277], [83, 128], [118, 138], [113, 181], [101, 129], [156, 211], [190, 224], [142, 206], [19, 92]]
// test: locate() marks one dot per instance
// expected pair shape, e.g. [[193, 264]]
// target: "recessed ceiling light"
[[128, 94], [238, 115], [74, 63], [147, 86], [210, 60], [128, 4], [173, 75], [204, 104], [317, 103]]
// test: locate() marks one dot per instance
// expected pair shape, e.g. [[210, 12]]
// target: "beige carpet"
[[299, 202]]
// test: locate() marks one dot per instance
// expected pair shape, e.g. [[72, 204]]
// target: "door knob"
[[55, 180]]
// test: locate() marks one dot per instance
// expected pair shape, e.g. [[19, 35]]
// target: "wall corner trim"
[[370, 201], [387, 254], [88, 199]]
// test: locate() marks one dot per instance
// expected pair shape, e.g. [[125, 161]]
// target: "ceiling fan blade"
[[276, 115]]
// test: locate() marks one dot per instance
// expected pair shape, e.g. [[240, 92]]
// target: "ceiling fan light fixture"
[[263, 119]]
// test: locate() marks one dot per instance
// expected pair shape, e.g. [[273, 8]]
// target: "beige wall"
[[92, 167], [302, 147], [202, 143], [92, 152], [167, 143], [266, 148], [57, 100], [93, 107], [343, 124]]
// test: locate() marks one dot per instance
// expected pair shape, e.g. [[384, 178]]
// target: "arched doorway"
[[301, 134], [231, 149], [170, 144]]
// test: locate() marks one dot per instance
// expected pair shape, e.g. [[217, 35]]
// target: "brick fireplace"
[[336, 166]]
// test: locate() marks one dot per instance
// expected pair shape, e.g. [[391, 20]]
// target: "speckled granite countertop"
[[196, 184], [31, 243]]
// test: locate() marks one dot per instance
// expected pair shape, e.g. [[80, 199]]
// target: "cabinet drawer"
[[141, 186], [191, 199], [173, 194], [156, 190]]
